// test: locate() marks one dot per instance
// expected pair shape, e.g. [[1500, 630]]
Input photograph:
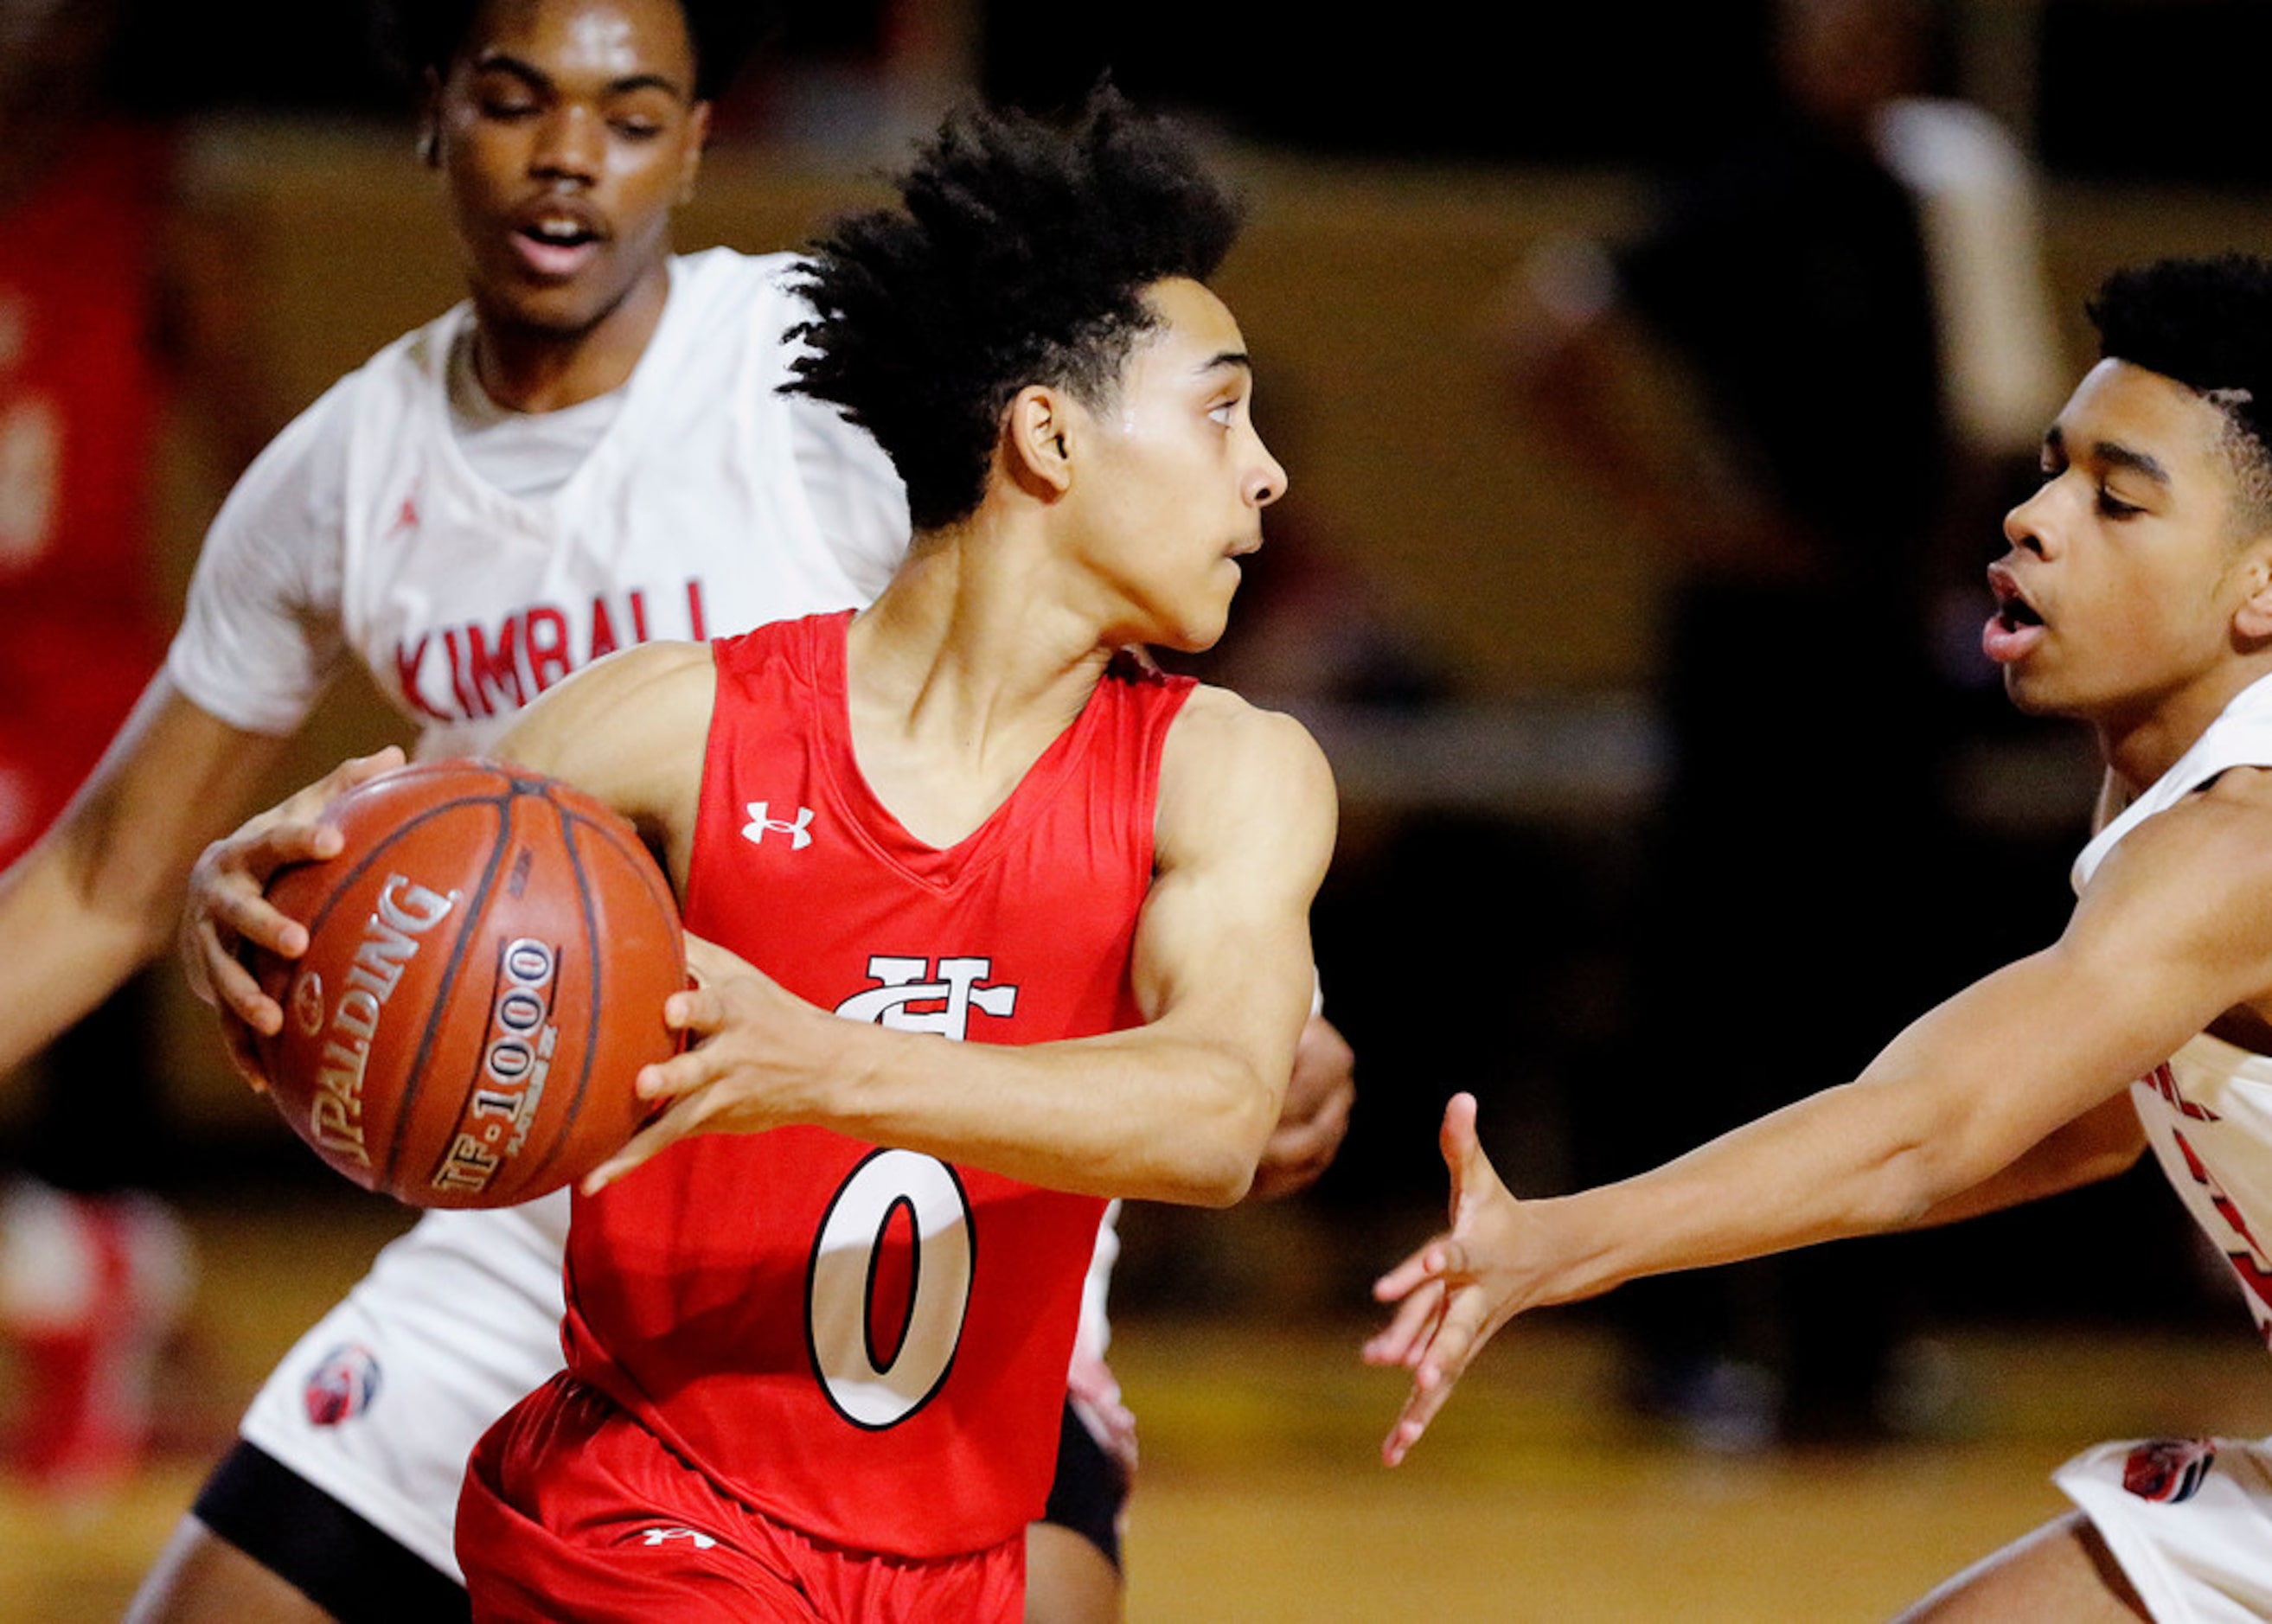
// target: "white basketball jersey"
[[2208, 1111], [363, 532]]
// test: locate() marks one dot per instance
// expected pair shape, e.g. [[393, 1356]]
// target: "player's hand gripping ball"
[[487, 958]]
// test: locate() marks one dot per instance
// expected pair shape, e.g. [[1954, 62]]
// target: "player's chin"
[[566, 308], [2034, 692], [1202, 621]]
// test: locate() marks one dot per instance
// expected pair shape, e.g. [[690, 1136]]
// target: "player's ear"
[[2252, 620], [429, 120], [1038, 438], [690, 162]]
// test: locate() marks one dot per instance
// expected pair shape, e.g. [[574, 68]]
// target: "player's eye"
[[641, 117], [2113, 507]]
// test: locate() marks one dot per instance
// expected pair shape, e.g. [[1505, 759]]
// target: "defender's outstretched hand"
[[228, 908], [1456, 1291]]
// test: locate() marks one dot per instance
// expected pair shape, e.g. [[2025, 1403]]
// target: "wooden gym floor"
[[1262, 1500]]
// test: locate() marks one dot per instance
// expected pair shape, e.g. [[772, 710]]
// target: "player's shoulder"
[[723, 286], [2214, 844], [1226, 757], [650, 699], [648, 669], [1216, 720], [2228, 821]]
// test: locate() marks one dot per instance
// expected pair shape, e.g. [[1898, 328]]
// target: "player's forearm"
[[67, 950], [2099, 1144], [1139, 1114], [1923, 1136], [1788, 1180], [102, 893]]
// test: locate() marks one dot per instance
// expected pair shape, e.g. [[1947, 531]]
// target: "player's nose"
[[568, 144], [1266, 482], [2024, 525]]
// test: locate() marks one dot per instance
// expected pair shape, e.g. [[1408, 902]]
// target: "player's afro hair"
[[2207, 325], [1018, 256], [425, 35]]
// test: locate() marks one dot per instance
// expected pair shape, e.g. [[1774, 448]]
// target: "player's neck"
[[959, 676], [2139, 748], [524, 366], [973, 629]]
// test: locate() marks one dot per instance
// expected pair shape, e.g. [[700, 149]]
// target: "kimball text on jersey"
[[496, 670]]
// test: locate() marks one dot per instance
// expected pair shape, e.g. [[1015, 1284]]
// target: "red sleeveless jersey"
[[871, 1345]]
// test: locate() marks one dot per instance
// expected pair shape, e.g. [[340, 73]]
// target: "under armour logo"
[[799, 830], [905, 982], [658, 1536]]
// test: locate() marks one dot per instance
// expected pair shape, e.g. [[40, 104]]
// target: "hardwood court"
[[1536, 1498]]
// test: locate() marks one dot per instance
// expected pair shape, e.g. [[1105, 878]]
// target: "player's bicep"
[[1246, 829], [2175, 927], [632, 731]]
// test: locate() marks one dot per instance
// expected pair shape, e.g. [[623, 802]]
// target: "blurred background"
[[1652, 377]]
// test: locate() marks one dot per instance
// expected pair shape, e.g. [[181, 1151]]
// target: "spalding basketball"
[[487, 963]]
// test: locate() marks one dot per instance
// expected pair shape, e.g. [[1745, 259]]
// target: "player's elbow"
[[1908, 1183], [1217, 1163]]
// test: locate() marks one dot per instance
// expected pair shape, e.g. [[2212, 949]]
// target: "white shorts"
[[2190, 1520], [381, 1403]]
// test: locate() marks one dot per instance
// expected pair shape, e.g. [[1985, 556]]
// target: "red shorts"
[[572, 1509]]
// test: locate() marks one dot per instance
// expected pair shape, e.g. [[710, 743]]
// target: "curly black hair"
[[1019, 254], [2206, 324], [423, 36]]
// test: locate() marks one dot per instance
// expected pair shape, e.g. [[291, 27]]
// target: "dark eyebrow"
[[536, 78], [1234, 359], [2114, 452], [2137, 462]]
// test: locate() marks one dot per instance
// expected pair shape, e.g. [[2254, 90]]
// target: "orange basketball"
[[487, 964]]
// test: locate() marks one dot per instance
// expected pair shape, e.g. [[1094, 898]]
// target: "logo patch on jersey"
[[2169, 1471], [958, 988], [762, 822], [407, 518], [652, 1537], [343, 1387]]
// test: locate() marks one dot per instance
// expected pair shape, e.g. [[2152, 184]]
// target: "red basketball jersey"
[[868, 1344]]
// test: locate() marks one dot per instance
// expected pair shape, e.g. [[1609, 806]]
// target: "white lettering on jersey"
[[904, 983], [882, 1352], [662, 1536]]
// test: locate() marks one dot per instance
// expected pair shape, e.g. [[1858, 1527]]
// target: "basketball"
[[487, 964]]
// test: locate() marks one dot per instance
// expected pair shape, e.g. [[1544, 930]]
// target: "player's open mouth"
[[2016, 627], [556, 244]]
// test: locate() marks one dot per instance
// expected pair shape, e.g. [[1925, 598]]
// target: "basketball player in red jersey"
[[575, 437], [844, 1299]]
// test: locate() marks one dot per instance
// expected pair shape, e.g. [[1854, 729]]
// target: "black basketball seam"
[[438, 1007], [382, 1174], [641, 863], [593, 1004]]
